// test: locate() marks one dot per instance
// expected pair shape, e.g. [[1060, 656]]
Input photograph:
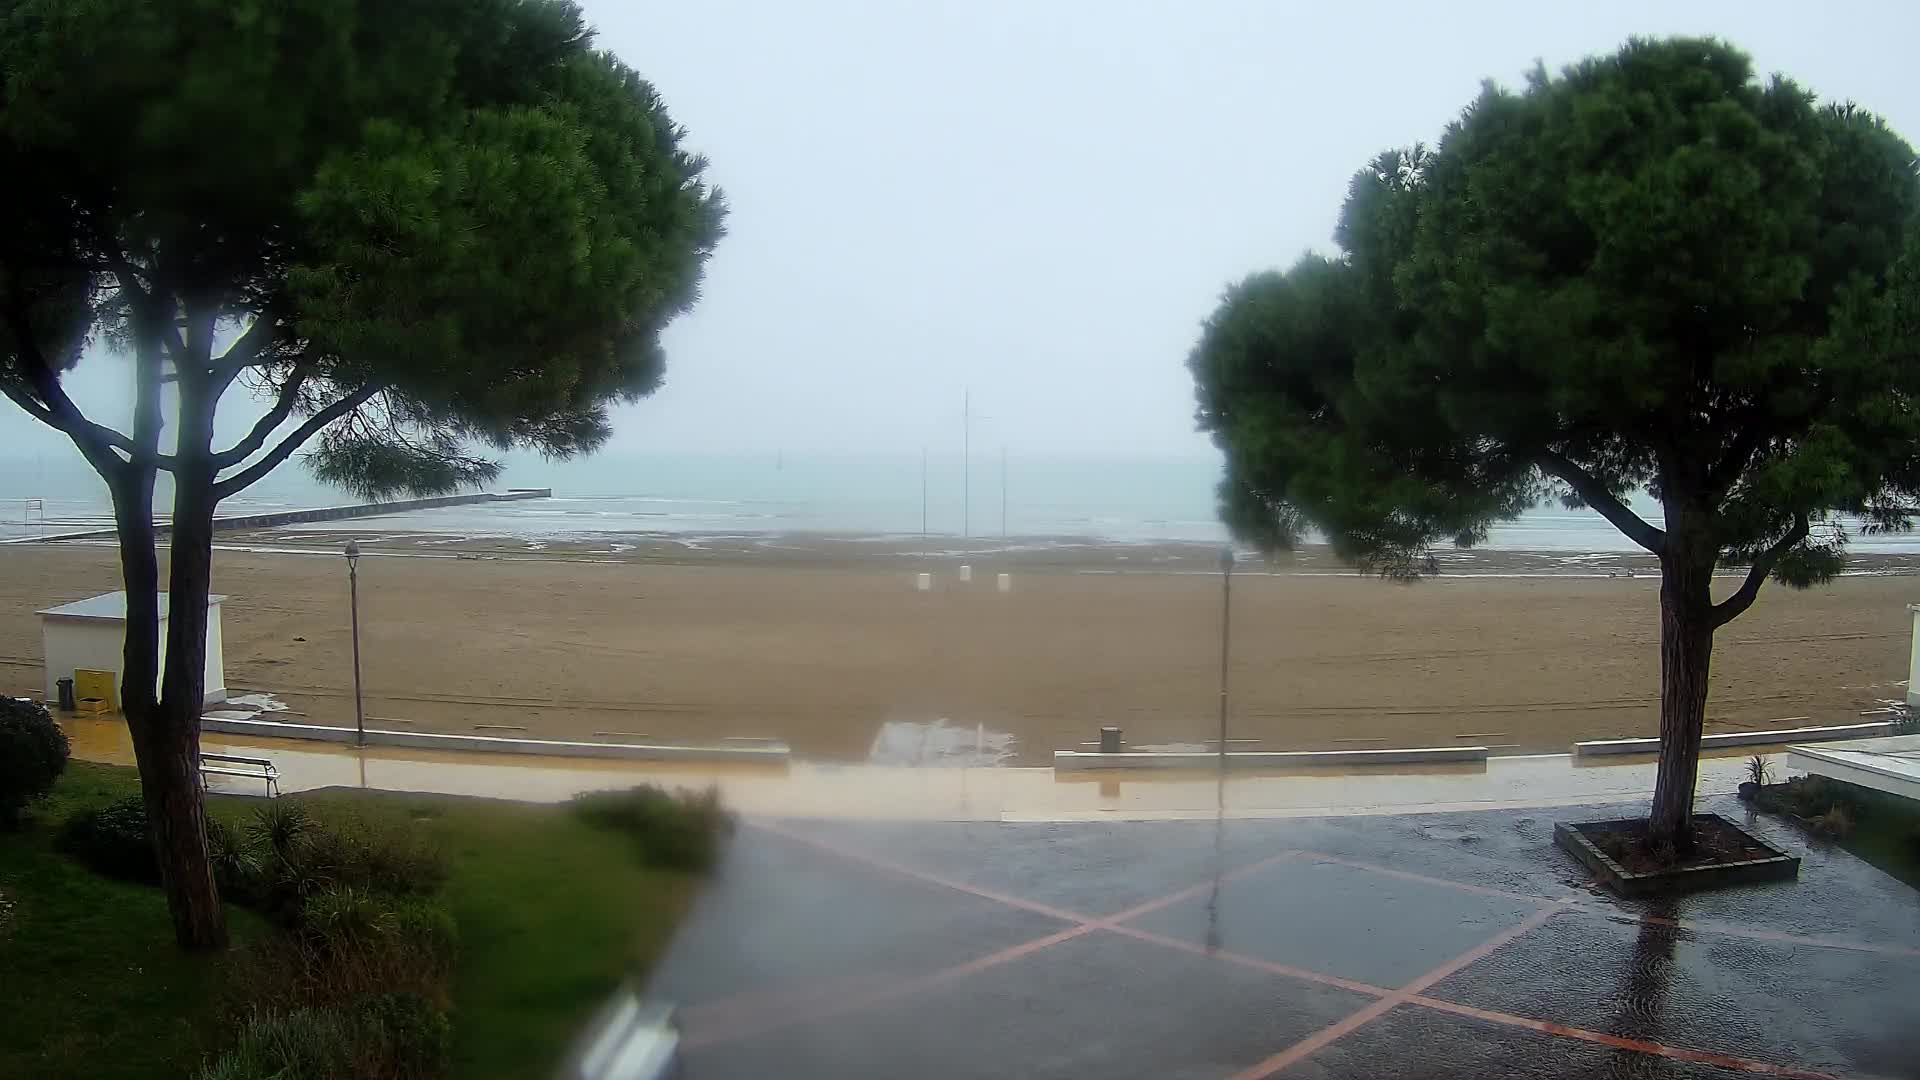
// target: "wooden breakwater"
[[324, 513]]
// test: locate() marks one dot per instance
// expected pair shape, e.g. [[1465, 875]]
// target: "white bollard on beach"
[[1005, 582], [924, 583], [966, 573]]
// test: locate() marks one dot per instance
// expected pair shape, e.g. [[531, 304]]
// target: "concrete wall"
[[770, 754], [79, 643], [1913, 660], [99, 644]]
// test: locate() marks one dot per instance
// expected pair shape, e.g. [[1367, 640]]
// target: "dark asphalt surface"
[[817, 952]]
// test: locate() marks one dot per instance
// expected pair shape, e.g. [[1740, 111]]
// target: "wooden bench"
[[252, 768]]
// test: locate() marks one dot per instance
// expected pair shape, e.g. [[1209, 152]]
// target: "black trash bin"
[[66, 694]]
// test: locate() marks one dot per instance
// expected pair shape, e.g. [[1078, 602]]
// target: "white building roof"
[[1890, 764], [110, 606]]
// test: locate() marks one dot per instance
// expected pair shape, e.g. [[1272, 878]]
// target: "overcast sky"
[[1041, 201]]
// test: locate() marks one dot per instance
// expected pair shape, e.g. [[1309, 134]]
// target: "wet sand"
[[825, 644]]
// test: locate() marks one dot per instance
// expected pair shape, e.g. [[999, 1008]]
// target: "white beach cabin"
[[91, 634]]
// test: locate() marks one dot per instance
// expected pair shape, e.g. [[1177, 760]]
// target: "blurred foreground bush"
[[681, 830], [394, 1036], [33, 753]]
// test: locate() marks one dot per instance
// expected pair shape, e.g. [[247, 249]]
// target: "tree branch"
[[264, 427], [243, 479], [1724, 472], [243, 353], [1731, 608], [1595, 494], [54, 408]]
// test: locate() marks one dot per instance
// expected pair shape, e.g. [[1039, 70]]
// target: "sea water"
[[1115, 499]]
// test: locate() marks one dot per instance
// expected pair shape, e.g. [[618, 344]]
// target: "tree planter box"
[[1778, 866]]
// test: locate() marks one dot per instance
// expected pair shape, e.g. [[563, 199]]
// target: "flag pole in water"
[[966, 462]]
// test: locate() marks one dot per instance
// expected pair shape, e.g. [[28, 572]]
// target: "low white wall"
[[426, 740], [1074, 760], [1740, 738]]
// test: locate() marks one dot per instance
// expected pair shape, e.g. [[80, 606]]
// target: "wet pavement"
[[1425, 945], [956, 793]]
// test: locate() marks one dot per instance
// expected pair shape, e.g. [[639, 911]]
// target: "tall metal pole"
[[353, 593], [1003, 491], [1226, 643], [923, 491], [966, 463]]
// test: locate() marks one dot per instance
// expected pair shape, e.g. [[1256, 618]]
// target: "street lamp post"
[[353, 593], [1226, 638]]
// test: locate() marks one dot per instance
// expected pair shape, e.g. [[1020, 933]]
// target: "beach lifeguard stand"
[[90, 635]]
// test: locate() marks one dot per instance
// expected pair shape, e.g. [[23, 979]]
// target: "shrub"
[[305, 1044], [383, 1037], [678, 831], [349, 943], [1836, 822], [112, 840], [33, 753], [407, 1034], [1759, 772], [302, 857]]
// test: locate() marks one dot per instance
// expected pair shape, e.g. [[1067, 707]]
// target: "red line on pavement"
[[921, 875], [1319, 1039], [1583, 907], [1760, 934], [834, 1006], [1411, 993], [1192, 891], [1724, 1061], [1252, 962], [1409, 875]]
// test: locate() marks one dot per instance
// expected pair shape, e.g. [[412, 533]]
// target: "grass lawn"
[[1888, 835], [90, 982], [552, 914]]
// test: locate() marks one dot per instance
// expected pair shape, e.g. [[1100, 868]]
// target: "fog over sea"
[[1118, 500]]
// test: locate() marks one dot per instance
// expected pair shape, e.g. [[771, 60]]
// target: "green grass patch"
[[552, 914], [90, 981], [1881, 829]]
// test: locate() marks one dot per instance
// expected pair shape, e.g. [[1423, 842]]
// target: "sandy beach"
[[831, 648]]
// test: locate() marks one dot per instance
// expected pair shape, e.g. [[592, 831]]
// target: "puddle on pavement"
[[914, 742], [259, 703]]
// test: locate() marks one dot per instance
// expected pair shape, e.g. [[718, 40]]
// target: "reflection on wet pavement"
[[910, 742], [1459, 945], [956, 793]]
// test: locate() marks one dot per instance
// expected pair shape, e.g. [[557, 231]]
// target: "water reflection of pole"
[[1226, 641], [1649, 977], [1220, 782]]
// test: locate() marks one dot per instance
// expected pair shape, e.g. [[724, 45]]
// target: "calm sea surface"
[[1126, 501]]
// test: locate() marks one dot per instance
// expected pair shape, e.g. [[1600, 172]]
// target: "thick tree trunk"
[[1686, 656], [178, 813], [166, 751]]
